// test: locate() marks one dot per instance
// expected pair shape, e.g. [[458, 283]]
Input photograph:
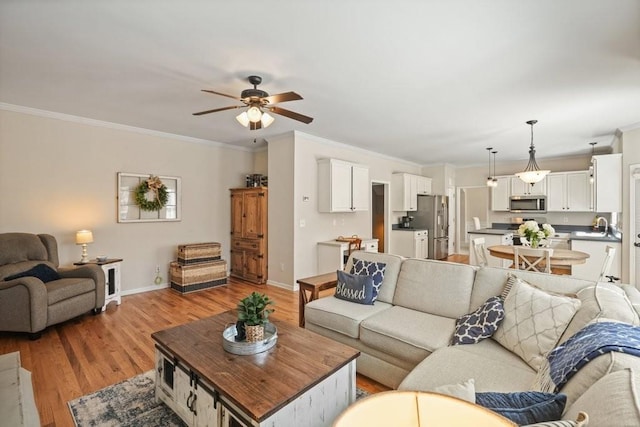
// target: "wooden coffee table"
[[304, 380]]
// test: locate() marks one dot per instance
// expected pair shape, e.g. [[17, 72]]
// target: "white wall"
[[630, 156], [292, 245], [58, 176]]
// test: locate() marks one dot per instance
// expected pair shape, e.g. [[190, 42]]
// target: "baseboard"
[[283, 285], [145, 289]]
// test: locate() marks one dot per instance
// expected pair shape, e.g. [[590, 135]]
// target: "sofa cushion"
[[16, 247], [363, 267], [391, 270], [60, 290], [490, 281], [40, 271], [611, 402], [341, 316], [534, 321], [480, 324], [436, 287], [406, 334], [354, 288], [524, 407], [602, 300], [492, 367]]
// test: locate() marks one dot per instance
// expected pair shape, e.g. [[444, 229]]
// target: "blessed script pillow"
[[354, 288]]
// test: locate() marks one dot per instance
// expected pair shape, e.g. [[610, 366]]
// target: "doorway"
[[380, 214], [472, 202]]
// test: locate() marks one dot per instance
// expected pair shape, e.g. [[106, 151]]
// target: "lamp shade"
[[254, 114], [243, 119], [267, 119], [83, 237]]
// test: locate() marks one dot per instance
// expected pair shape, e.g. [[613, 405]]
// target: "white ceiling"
[[427, 81]]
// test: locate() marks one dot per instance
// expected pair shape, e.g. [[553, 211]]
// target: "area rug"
[[129, 403]]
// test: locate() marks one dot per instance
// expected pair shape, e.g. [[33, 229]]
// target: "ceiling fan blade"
[[282, 97], [255, 125], [222, 94], [218, 109], [292, 115]]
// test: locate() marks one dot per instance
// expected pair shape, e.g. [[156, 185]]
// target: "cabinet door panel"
[[556, 198], [206, 413], [253, 266], [500, 194], [184, 394], [237, 262], [360, 188], [252, 215], [236, 214], [579, 192], [340, 187]]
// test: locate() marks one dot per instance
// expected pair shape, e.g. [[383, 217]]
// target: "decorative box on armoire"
[[249, 233]]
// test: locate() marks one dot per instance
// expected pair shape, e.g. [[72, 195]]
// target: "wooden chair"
[[480, 250], [606, 265], [354, 245], [532, 259]]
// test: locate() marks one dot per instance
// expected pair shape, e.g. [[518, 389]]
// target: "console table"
[[313, 285]]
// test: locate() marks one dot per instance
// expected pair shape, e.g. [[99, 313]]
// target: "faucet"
[[606, 224]]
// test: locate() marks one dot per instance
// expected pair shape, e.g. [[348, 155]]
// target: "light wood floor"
[[91, 352]]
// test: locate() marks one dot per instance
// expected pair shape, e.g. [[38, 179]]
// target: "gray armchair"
[[27, 304]]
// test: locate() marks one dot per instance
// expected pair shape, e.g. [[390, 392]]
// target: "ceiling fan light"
[[243, 119], [254, 114], [267, 119]]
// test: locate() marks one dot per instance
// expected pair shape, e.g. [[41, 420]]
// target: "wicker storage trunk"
[[195, 277], [195, 253]]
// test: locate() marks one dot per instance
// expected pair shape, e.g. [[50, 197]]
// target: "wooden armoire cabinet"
[[249, 233]]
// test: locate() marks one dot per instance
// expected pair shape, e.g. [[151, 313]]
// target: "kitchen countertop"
[[607, 238], [407, 229], [492, 231]]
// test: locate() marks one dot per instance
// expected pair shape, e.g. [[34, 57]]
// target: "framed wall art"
[[148, 197]]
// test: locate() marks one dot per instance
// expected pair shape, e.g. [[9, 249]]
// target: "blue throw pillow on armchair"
[[40, 271], [354, 288]]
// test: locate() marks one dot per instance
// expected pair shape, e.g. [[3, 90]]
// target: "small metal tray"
[[244, 348]]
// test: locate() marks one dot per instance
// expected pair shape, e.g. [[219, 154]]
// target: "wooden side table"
[[112, 284], [313, 285]]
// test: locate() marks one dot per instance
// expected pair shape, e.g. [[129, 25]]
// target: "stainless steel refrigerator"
[[433, 215]]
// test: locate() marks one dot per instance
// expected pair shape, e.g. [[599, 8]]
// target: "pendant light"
[[532, 173], [489, 178], [593, 152], [494, 181]]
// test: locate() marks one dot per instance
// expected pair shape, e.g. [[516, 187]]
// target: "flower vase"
[[254, 332], [534, 243]]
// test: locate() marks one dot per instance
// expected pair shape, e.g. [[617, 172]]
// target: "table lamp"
[[82, 238]]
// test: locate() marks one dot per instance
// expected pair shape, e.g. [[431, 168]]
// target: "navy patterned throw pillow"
[[525, 407], [481, 324], [369, 268], [354, 288]]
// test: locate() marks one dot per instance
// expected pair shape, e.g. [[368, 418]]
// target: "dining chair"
[[606, 265], [355, 244], [480, 250], [476, 223], [532, 259]]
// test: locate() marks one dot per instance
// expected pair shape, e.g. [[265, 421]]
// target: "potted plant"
[[253, 314]]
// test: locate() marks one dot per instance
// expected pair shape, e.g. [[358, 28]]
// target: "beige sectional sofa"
[[405, 336]]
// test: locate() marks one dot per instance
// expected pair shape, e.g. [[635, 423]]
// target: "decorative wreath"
[[160, 194]]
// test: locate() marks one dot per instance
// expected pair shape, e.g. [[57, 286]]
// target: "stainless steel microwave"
[[528, 204]]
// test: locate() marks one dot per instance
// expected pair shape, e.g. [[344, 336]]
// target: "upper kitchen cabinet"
[[500, 194], [521, 188], [607, 172], [569, 192], [342, 186], [405, 188]]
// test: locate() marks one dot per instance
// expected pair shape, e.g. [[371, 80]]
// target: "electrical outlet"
[[282, 266], [303, 223]]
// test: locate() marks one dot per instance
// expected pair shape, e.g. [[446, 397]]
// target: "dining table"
[[561, 259]]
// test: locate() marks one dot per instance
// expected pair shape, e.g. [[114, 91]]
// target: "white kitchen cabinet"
[[607, 172], [342, 186], [569, 191], [500, 194], [590, 270], [521, 188], [405, 188], [410, 243]]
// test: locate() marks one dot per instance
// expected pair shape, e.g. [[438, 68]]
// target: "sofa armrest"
[[90, 271], [23, 305]]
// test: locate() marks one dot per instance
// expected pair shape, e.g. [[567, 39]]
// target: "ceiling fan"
[[257, 101]]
